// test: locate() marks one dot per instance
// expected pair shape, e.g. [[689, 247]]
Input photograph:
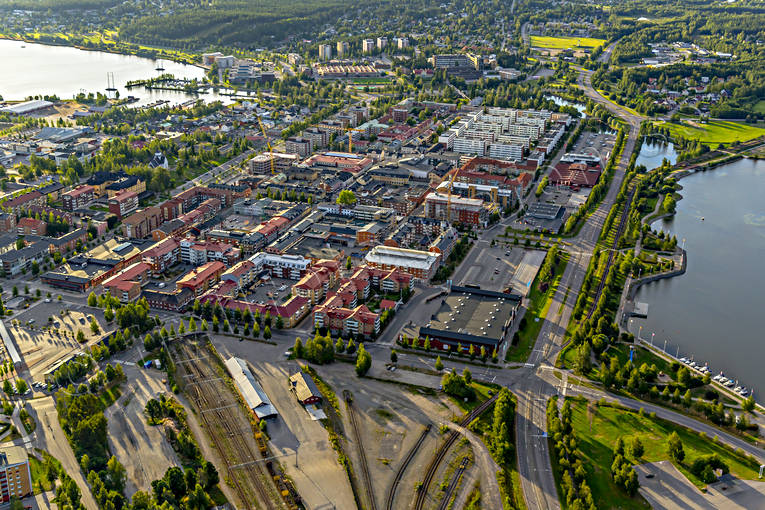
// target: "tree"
[[675, 448], [204, 325], [255, 330], [393, 356], [80, 336], [109, 314], [94, 326], [267, 332], [467, 375], [346, 197], [637, 448], [92, 299], [15, 291], [427, 343], [8, 387], [363, 361], [348, 263], [117, 474], [153, 409], [21, 386]]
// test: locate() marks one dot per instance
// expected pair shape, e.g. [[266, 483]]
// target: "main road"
[[534, 391]]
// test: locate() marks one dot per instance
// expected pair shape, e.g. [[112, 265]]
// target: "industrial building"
[[471, 316], [250, 389]]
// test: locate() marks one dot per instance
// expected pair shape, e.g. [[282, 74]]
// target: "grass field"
[[597, 430], [715, 131], [564, 43], [759, 107]]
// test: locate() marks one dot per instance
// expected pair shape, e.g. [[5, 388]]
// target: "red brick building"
[[202, 278]]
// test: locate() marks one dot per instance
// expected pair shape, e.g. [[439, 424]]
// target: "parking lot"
[[46, 332], [142, 449], [490, 267], [278, 289]]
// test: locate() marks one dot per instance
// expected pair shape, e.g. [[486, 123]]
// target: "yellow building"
[[15, 475]]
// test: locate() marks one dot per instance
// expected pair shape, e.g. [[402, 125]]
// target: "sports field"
[[564, 43], [714, 131]]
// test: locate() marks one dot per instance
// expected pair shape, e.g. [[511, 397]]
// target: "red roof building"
[[27, 226], [202, 278], [575, 175], [359, 321]]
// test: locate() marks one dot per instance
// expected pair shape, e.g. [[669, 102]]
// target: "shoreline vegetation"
[[116, 47]]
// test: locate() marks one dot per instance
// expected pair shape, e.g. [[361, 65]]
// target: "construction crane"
[[350, 138], [448, 192], [268, 144]]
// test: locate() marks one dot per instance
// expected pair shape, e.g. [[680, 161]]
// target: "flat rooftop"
[[480, 314]]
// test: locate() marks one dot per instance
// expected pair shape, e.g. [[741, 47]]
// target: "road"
[[213, 173], [533, 453]]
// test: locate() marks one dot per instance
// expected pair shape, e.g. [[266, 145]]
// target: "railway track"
[[402, 468], [444, 449], [453, 484], [611, 254], [364, 466], [227, 433]]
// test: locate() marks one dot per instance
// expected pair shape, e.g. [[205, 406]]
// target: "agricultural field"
[[597, 429], [564, 43], [714, 131]]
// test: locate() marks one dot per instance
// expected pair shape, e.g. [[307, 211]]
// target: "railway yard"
[[258, 482]]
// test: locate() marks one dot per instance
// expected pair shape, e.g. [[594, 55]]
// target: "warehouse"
[[471, 316], [250, 389]]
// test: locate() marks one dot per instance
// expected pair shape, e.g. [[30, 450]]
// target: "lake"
[[714, 311], [38, 69], [565, 102]]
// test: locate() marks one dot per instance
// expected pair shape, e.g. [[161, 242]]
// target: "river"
[[39, 69], [714, 311]]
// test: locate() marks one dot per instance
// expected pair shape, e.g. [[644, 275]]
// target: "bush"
[[456, 386]]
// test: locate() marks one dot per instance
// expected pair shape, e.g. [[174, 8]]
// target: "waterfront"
[[653, 152], [38, 69], [713, 312]]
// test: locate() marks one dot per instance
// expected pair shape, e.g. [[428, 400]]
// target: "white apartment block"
[[325, 52], [497, 132], [368, 45], [382, 42]]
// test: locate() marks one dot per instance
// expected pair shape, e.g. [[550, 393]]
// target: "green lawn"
[[39, 480], [563, 43], [714, 131], [538, 304], [759, 107], [597, 430]]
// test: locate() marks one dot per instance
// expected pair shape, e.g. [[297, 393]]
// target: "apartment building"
[[368, 45], [79, 197], [123, 203], [325, 52], [15, 473], [342, 48], [302, 146], [420, 264]]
